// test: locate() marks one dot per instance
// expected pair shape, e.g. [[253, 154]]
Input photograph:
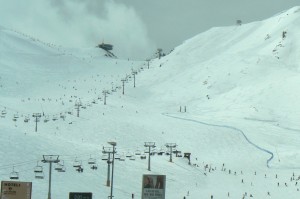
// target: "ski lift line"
[[17, 164], [95, 153]]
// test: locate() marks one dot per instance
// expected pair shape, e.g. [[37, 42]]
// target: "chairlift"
[[117, 157], [94, 167], [26, 119], [16, 115], [14, 175], [153, 152], [77, 163], [128, 155], [122, 158], [143, 156], [63, 116], [39, 175], [3, 112], [137, 152], [161, 152], [104, 157], [63, 169], [54, 118], [132, 157], [83, 106], [46, 119], [91, 161], [59, 166], [79, 169], [38, 169]]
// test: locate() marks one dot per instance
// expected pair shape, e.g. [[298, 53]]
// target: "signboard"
[[79, 195], [16, 190], [154, 186]]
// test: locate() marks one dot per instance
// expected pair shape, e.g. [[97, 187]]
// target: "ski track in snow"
[[228, 127]]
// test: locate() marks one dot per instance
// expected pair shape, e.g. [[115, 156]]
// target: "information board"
[[16, 190], [80, 195], [154, 186]]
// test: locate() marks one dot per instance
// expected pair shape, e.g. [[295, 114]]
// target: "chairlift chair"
[[143, 156], [79, 169], [77, 163], [14, 175], [26, 119], [132, 157], [46, 119], [104, 157], [3, 112], [63, 169], [161, 152], [54, 118], [91, 161], [128, 155], [137, 152], [63, 116], [59, 166], [39, 175], [117, 157], [122, 158], [94, 166], [38, 169]]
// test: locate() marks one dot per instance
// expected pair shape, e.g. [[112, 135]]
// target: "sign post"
[[154, 186], [15, 190]]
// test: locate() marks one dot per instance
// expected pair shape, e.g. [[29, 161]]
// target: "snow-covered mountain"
[[228, 96]]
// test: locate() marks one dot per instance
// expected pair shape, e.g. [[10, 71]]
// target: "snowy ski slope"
[[239, 85]]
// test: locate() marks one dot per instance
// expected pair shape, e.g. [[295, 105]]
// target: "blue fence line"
[[228, 127]]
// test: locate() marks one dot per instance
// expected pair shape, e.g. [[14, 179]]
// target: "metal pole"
[[123, 86], [105, 98], [36, 121], [171, 151], [149, 160], [108, 171], [78, 110], [134, 80], [112, 173], [49, 191]]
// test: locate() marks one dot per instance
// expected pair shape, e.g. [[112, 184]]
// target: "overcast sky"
[[136, 28]]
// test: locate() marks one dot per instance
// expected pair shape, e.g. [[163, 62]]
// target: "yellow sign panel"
[[16, 190]]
